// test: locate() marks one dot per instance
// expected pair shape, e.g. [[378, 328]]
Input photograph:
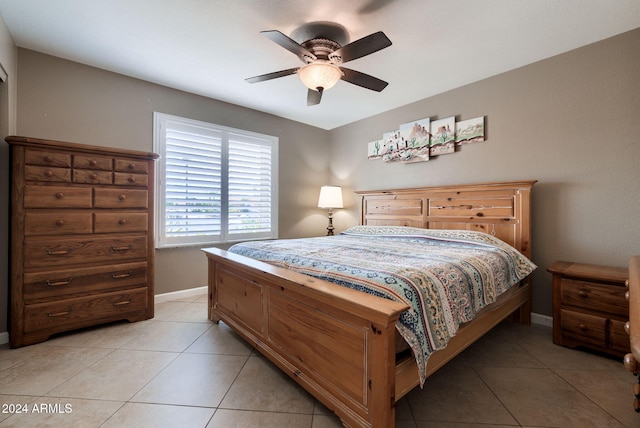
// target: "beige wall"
[[568, 122], [67, 101], [8, 100]]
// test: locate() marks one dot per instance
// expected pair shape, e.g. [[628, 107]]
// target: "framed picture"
[[470, 131], [443, 136]]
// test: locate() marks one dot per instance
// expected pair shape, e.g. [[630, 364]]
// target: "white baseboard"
[[539, 319], [182, 294], [4, 338]]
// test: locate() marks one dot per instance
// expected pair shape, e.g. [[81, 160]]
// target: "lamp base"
[[330, 227]]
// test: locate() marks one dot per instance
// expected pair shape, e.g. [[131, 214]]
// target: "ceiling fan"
[[323, 57]]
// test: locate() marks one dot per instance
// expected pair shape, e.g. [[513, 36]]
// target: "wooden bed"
[[349, 364]]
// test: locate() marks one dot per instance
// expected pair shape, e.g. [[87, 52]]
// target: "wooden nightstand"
[[589, 307]]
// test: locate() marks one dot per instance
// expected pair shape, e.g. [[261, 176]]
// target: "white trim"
[[540, 319], [182, 294], [4, 338]]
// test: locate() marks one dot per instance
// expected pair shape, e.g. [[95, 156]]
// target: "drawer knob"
[[583, 327], [627, 328], [93, 162], [93, 176], [48, 173], [626, 283], [122, 197], [60, 222], [48, 158], [131, 166], [122, 222], [58, 283], [626, 295], [121, 275], [131, 179], [121, 303], [583, 294], [52, 252], [59, 195]]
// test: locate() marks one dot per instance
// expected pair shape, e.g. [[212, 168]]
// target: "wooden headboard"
[[500, 209]]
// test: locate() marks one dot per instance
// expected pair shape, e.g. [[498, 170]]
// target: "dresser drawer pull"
[[131, 166], [59, 195], [122, 197], [58, 314], [60, 222], [627, 328], [48, 173], [122, 222], [124, 248], [58, 283], [583, 294], [93, 162], [93, 176], [121, 275], [48, 158], [131, 179], [583, 327], [58, 252], [121, 303]]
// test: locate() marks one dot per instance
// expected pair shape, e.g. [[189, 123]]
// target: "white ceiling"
[[208, 47]]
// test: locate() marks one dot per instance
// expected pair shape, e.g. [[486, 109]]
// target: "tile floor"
[[181, 370]]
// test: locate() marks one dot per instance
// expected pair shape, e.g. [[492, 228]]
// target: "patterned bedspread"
[[444, 276]]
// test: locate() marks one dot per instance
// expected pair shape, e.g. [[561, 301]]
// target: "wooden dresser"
[[589, 307], [82, 248]]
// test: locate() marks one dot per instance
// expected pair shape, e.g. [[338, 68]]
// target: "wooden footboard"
[[335, 342]]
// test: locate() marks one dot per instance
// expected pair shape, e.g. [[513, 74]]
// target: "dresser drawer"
[[49, 158], [584, 327], [75, 312], [107, 222], [121, 198], [87, 176], [57, 223], [60, 283], [93, 162], [593, 296], [125, 179], [57, 197], [128, 165], [84, 249], [47, 174]]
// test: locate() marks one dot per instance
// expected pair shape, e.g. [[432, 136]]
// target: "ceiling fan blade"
[[364, 80], [314, 97], [289, 44], [273, 75], [361, 47]]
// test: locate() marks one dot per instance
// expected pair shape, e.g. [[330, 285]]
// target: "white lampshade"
[[330, 197], [319, 75]]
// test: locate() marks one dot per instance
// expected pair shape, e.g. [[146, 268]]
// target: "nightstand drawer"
[[593, 296], [584, 327]]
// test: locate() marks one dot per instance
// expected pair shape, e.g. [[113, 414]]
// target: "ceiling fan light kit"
[[322, 59], [320, 75]]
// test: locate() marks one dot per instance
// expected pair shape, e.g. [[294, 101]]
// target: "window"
[[214, 184]]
